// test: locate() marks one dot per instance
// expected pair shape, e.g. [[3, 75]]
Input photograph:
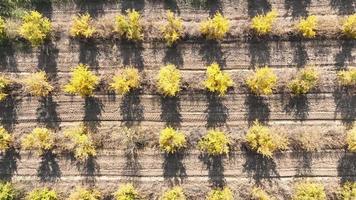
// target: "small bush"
[[82, 26], [215, 143], [4, 84], [348, 191], [309, 141], [132, 139], [127, 80], [83, 82], [309, 190], [220, 194], [41, 194], [171, 140], [5, 139], [262, 82], [169, 80], [262, 24], [307, 26], [84, 194], [128, 26], [264, 141], [215, 28], [40, 139], [173, 29], [216, 80], [81, 142], [7, 191], [35, 28], [349, 26], [259, 194], [175, 193], [2, 28], [126, 192], [37, 84], [306, 80], [351, 139], [347, 77]]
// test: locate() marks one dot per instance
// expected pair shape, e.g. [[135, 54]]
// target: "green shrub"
[[216, 80], [127, 80], [35, 28], [2, 28], [173, 29], [7, 191], [215, 28], [348, 191], [169, 80], [347, 77], [5, 140], [309, 190], [81, 142], [306, 80], [42, 194], [37, 84], [262, 82], [84, 194], [215, 143], [83, 82], [4, 85], [220, 194], [262, 24], [349, 26], [40, 139], [307, 26], [171, 140], [351, 139], [82, 26], [264, 141], [129, 26], [126, 192], [175, 193]]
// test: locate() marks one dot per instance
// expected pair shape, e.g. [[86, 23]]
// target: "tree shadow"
[[89, 53], [300, 54], [7, 57], [298, 106], [47, 58], [93, 7], [174, 56], [171, 5], [131, 109], [344, 7], [8, 112], [211, 51], [174, 168], [344, 56], [215, 167], [260, 52], [170, 111], [345, 101], [214, 7], [131, 53], [217, 112], [49, 169], [8, 163], [90, 169], [132, 165], [347, 167], [257, 109], [47, 114], [304, 165], [43, 6], [129, 4], [92, 113], [258, 7], [297, 8]]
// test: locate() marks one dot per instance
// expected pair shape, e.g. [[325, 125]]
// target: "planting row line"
[[36, 29]]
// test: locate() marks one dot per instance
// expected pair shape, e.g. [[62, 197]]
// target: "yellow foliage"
[[348, 191], [7, 191], [215, 143], [261, 139], [35, 28], [173, 29], [171, 140], [37, 84], [262, 24], [262, 82], [307, 26], [5, 139], [220, 194], [175, 193], [349, 26], [4, 84], [127, 80], [40, 139], [126, 192], [351, 139], [216, 80], [215, 28], [2, 28], [129, 26], [84, 194], [259, 194], [309, 190], [83, 82], [347, 77], [305, 81], [82, 142], [82, 26], [169, 80], [42, 194]]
